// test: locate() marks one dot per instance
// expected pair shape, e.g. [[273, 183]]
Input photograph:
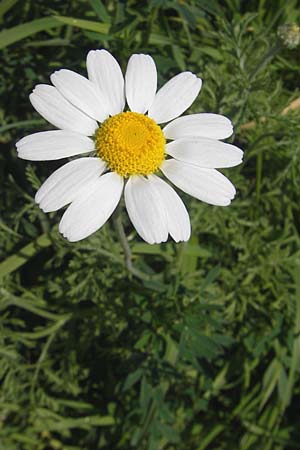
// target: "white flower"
[[128, 148]]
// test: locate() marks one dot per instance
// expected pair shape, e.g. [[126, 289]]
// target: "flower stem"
[[266, 59], [117, 221]]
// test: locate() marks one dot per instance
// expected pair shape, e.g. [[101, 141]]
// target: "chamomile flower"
[[129, 150]]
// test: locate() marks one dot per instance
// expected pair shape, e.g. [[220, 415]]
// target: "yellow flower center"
[[131, 144]]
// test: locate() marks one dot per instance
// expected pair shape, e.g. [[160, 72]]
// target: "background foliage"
[[202, 351]]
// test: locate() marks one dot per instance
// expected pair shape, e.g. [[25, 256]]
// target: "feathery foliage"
[[199, 348]]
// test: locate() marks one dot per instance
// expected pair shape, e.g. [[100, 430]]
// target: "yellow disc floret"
[[131, 144]]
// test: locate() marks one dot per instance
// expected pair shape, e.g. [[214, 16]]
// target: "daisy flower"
[[128, 149]]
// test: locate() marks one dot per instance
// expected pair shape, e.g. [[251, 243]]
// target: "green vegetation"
[[199, 348]]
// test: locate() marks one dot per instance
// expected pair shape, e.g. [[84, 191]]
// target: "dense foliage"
[[199, 347]]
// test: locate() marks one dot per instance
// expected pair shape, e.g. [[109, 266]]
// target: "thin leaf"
[[132, 379], [5, 6], [17, 260], [84, 24], [15, 34], [100, 10]]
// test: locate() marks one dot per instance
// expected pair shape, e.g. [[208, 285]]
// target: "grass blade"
[[15, 34], [88, 25], [17, 260], [6, 5]]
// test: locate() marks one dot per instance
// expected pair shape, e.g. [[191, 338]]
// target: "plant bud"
[[289, 34]]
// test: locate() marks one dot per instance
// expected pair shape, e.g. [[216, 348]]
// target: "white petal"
[[50, 104], [208, 125], [55, 144], [65, 184], [205, 152], [92, 208], [207, 185], [175, 97], [146, 210], [140, 82], [105, 72], [178, 220], [81, 92]]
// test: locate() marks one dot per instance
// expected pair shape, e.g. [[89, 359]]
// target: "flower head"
[[128, 148], [289, 34]]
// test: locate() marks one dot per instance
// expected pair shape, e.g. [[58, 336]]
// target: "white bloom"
[[128, 148]]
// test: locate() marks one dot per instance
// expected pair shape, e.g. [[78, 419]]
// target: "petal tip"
[[55, 74], [37, 197]]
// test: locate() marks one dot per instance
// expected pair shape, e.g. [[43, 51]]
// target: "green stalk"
[[17, 260]]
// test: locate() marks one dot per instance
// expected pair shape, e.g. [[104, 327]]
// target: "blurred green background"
[[203, 350]]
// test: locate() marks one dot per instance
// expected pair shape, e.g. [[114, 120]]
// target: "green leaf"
[[22, 124], [210, 436], [53, 422], [159, 39], [100, 10], [189, 255], [84, 24], [144, 339], [145, 395], [210, 277], [26, 439], [15, 34], [132, 379], [17, 260], [211, 6], [283, 386], [6, 5], [171, 351], [169, 433], [270, 380], [179, 57]]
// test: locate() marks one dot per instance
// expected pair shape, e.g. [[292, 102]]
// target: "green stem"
[[266, 59], [149, 26], [21, 124], [8, 299], [44, 352], [117, 221]]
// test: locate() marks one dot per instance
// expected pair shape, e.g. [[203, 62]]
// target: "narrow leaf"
[[15, 34], [6, 5], [84, 24], [17, 260]]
